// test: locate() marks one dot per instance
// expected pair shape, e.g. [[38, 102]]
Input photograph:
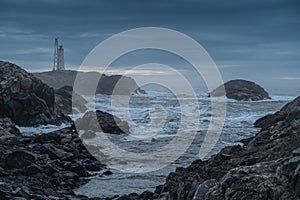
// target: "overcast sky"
[[256, 40]]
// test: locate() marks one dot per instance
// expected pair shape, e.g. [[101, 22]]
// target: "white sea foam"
[[274, 98], [281, 98], [147, 139], [238, 125], [41, 129]]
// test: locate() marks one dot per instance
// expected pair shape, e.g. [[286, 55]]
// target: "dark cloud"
[[241, 36]]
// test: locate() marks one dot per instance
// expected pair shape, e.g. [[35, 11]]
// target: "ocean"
[[155, 119]]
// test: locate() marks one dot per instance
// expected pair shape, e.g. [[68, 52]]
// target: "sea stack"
[[241, 90]]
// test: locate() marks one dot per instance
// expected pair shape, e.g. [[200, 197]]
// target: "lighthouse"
[[59, 60]]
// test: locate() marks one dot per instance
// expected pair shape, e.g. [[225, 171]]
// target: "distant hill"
[[106, 85]]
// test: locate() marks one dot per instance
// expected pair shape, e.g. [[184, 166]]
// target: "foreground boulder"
[[24, 98], [106, 85], [102, 121], [241, 90]]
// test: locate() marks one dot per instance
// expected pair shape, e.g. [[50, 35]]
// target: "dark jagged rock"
[[106, 85], [241, 90], [24, 98], [101, 121], [19, 159], [258, 181], [284, 117], [38, 167], [66, 100], [8, 129]]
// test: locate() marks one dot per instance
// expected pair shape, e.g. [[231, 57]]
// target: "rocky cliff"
[[282, 118], [241, 90], [26, 99]]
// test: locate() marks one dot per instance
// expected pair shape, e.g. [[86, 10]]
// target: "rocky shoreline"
[[50, 166], [42, 166]]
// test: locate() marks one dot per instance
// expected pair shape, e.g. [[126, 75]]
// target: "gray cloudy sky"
[[252, 39]]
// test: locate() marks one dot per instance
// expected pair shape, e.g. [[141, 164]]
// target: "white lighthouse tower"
[[59, 60]]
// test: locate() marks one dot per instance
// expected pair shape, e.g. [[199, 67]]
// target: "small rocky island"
[[241, 90]]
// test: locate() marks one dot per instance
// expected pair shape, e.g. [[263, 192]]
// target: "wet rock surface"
[[26, 99], [241, 90]]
